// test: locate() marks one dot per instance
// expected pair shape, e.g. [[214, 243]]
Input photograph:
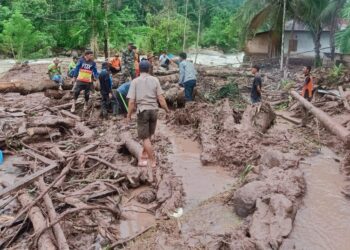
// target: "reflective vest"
[[85, 75]]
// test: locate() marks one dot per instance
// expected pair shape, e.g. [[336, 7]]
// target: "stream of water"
[[323, 222]]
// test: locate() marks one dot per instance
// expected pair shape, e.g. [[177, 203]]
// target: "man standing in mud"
[[306, 92], [84, 74], [128, 63], [188, 76], [255, 94], [145, 92]]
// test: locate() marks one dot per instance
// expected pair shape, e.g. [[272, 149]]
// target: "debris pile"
[[78, 174]]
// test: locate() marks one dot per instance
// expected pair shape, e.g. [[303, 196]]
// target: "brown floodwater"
[[200, 182], [323, 221]]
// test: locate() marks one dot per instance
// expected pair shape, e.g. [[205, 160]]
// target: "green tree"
[[20, 38], [222, 32], [166, 33]]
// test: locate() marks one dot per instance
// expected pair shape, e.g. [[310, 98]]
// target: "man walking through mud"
[[255, 94], [188, 76], [84, 74], [145, 92], [306, 92]]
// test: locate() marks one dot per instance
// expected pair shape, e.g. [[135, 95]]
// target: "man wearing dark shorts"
[[145, 92]]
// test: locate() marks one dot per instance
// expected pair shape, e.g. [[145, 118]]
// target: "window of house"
[[293, 44]]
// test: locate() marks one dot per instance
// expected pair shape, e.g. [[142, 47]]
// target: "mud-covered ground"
[[229, 175]]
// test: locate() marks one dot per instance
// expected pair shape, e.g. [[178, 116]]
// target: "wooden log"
[[169, 78], [26, 87], [57, 229], [133, 146], [343, 97], [70, 115], [51, 121], [39, 131], [26, 181], [39, 223], [55, 94], [327, 121], [87, 133]]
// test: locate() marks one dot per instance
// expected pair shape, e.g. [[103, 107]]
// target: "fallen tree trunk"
[[223, 73], [169, 78], [39, 223], [343, 97], [39, 131], [327, 121], [25, 87], [133, 146], [57, 229], [51, 121]]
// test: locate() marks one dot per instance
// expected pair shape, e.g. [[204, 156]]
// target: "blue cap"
[[144, 66]]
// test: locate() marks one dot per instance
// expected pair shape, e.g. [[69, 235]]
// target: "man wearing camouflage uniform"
[[128, 67]]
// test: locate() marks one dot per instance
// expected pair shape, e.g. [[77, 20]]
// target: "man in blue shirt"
[[105, 89], [84, 74], [188, 76], [120, 96]]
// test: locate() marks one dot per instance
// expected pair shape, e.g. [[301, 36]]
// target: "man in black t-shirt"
[[255, 94]]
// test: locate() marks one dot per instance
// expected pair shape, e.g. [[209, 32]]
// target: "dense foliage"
[[35, 28], [50, 27]]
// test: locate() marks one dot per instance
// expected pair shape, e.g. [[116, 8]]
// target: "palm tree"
[[265, 15], [318, 14]]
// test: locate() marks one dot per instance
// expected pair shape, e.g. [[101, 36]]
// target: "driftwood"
[[133, 146], [59, 234], [327, 121], [169, 78], [70, 115], [39, 223], [26, 180], [40, 131], [87, 133], [24, 87], [51, 121], [343, 97], [55, 94], [24, 210]]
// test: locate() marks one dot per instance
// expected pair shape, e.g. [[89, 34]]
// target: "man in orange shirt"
[[307, 92], [115, 64]]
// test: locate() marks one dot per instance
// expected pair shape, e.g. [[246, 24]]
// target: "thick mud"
[[322, 222], [199, 182]]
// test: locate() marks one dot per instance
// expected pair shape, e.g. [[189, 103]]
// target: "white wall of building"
[[305, 43]]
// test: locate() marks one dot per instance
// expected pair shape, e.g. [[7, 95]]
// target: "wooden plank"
[[26, 180], [39, 157]]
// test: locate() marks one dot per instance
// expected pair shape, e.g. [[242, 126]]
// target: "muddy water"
[[199, 182], [323, 222]]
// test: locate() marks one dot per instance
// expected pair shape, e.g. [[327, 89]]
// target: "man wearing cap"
[[144, 93], [54, 71], [84, 74], [128, 67], [115, 64]]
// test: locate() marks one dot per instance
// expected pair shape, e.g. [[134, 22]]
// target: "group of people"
[[139, 90], [306, 91]]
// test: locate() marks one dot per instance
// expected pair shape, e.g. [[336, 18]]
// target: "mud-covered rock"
[[258, 117], [272, 221], [244, 199], [272, 158], [146, 197]]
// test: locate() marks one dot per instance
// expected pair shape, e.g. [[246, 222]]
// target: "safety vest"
[[308, 88], [85, 75]]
